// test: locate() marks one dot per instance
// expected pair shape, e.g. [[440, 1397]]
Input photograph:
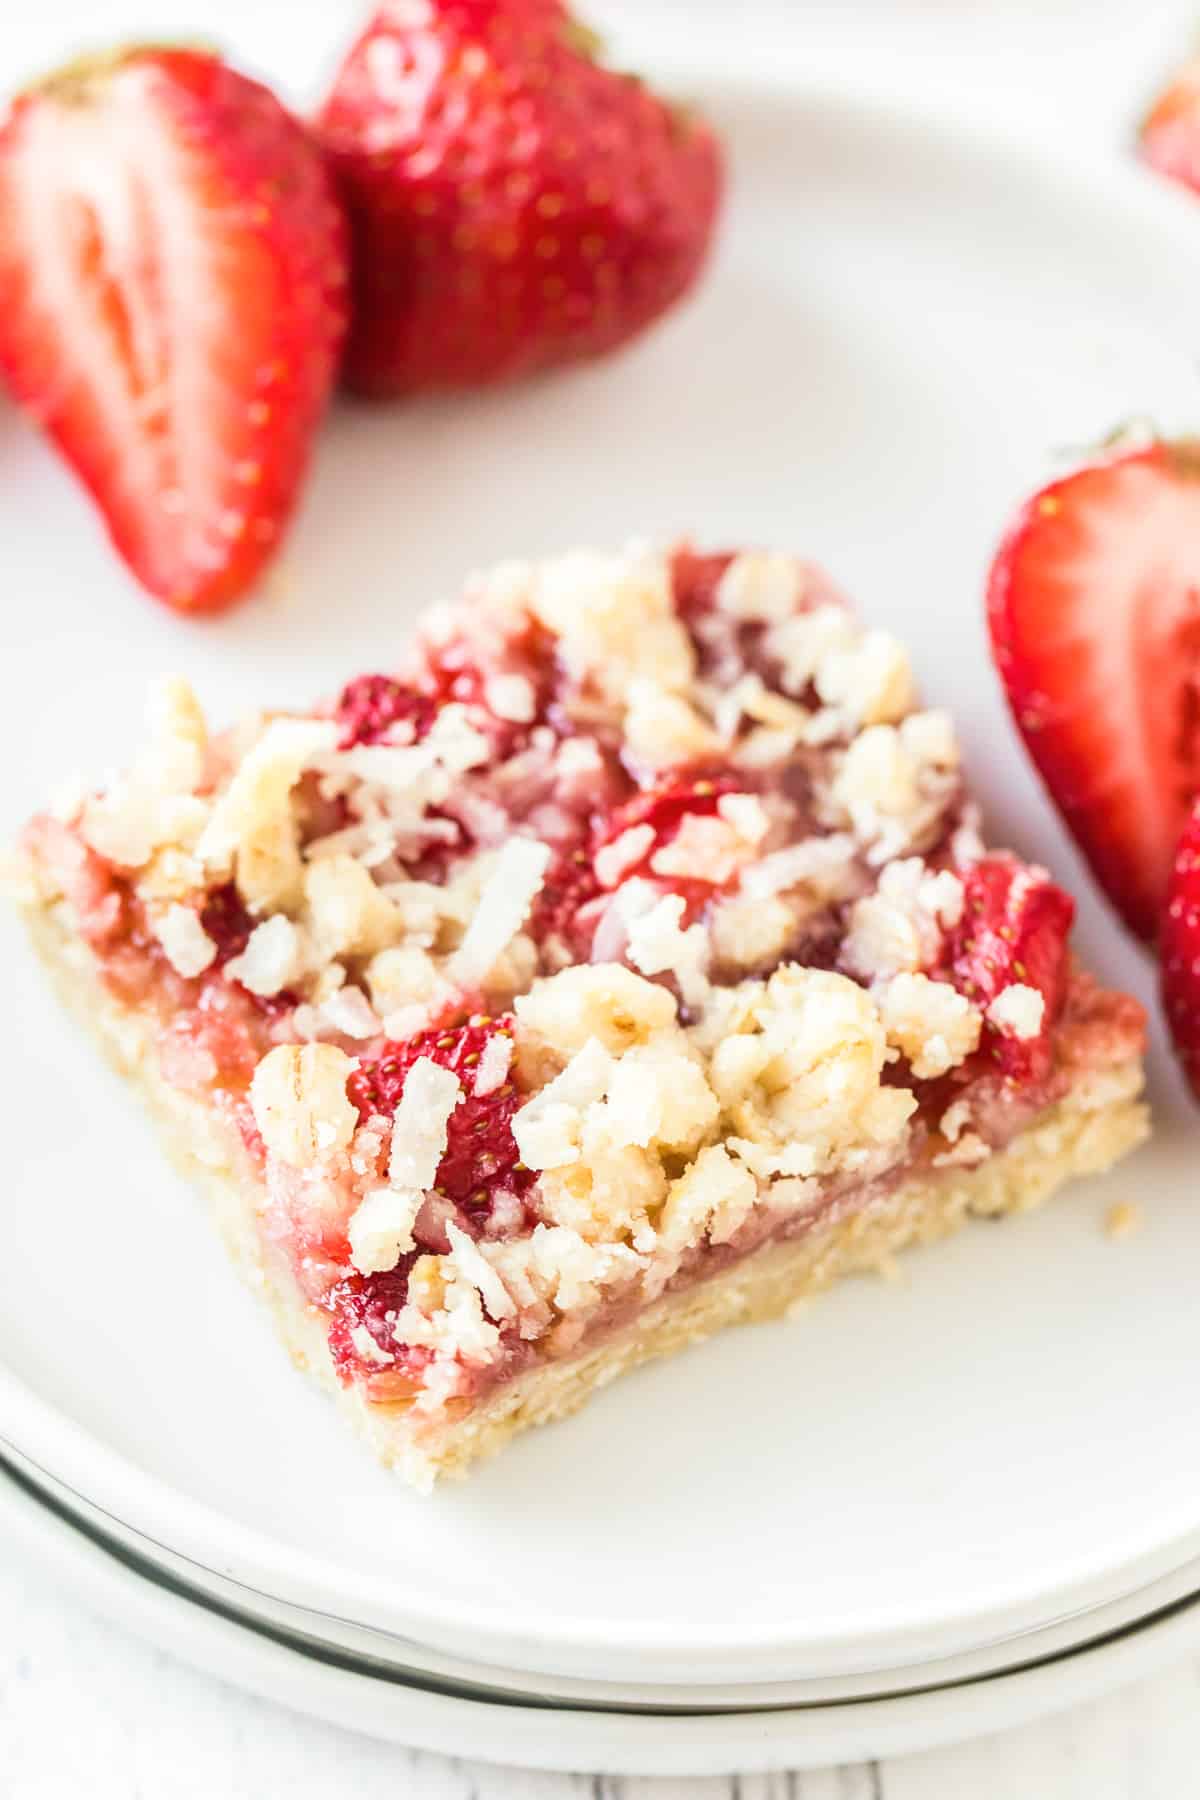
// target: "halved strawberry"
[[173, 266], [1170, 136], [1094, 607], [1181, 951]]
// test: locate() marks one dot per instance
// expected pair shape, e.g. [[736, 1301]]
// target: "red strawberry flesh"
[[173, 267], [481, 1153], [371, 705], [227, 922], [1094, 607], [572, 882], [1014, 930], [1180, 949], [695, 578]]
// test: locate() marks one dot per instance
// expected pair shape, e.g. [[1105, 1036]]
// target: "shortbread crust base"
[[1100, 1120]]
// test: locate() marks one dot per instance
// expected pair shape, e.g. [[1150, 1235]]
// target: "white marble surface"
[[85, 1709]]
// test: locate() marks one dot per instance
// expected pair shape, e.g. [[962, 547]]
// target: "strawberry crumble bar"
[[626, 964]]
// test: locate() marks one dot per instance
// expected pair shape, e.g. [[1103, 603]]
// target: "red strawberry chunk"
[[1180, 948], [481, 1158], [1014, 929], [572, 884], [173, 265], [664, 809], [370, 705], [371, 1303], [226, 920], [696, 578], [569, 885], [1094, 607]]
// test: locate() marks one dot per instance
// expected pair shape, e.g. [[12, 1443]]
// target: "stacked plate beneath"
[[389, 1687], [910, 1487]]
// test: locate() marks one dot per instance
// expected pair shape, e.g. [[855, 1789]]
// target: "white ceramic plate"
[[419, 1665], [907, 320], [347, 1691]]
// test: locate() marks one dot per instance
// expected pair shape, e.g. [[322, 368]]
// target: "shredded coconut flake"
[[368, 1349], [613, 860], [380, 1230], [491, 1071], [348, 1011], [511, 697], [747, 814], [273, 957], [476, 1269], [419, 1130], [508, 893], [455, 742], [1018, 1010], [186, 944], [823, 864], [657, 943]]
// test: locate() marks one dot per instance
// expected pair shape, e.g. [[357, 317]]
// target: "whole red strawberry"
[[513, 203], [1181, 951], [1170, 135], [1094, 607], [173, 267]]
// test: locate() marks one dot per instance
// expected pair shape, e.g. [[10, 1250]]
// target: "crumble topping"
[[798, 1066], [744, 933], [870, 683], [346, 912], [605, 1001], [899, 927], [273, 958], [625, 923], [712, 1199], [658, 944], [1019, 1010], [491, 1071], [298, 1097], [893, 783], [186, 944], [251, 831], [381, 1228], [929, 1022], [763, 587], [614, 618], [154, 804], [419, 1123], [509, 891]]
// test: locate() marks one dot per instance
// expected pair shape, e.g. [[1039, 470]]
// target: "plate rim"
[[37, 1430], [632, 1743]]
